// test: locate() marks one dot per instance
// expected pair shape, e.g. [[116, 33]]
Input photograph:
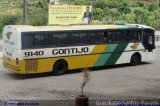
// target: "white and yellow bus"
[[57, 49]]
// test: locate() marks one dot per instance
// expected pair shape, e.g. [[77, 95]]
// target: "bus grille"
[[31, 65]]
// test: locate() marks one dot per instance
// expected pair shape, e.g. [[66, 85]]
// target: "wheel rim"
[[135, 60], [60, 68]]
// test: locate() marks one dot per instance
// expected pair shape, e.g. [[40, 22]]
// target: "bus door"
[[148, 40]]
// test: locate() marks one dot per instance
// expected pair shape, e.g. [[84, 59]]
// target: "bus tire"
[[135, 59], [60, 67]]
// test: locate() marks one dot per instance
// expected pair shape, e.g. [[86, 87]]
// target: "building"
[[157, 38]]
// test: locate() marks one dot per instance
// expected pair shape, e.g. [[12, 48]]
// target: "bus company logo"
[[134, 46], [8, 34]]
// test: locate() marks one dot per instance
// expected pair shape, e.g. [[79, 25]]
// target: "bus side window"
[[63, 39], [127, 36], [133, 36], [96, 37], [53, 39], [84, 37], [109, 37], [113, 37], [75, 38], [105, 37], [28, 41], [39, 40], [138, 34], [118, 36], [121, 36], [79, 38]]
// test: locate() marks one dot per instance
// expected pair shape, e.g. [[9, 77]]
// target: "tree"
[[113, 14], [116, 3], [10, 19], [100, 4], [124, 9], [141, 15], [127, 18], [112, 3], [38, 14], [153, 6], [157, 14], [150, 21], [1, 28], [98, 13], [81, 2], [140, 4]]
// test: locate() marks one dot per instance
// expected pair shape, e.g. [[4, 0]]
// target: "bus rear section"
[[10, 49]]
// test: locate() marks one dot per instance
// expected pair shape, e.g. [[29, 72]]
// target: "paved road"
[[109, 83]]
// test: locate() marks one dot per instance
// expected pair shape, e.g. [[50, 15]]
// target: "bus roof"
[[75, 27]]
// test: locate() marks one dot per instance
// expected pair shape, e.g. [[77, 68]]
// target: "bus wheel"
[[135, 59], [60, 67]]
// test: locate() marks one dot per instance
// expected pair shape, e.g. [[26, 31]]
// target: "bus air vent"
[[31, 65]]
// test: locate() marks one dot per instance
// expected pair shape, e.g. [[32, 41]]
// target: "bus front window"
[[148, 40]]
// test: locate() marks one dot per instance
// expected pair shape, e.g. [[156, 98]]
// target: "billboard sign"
[[69, 14]]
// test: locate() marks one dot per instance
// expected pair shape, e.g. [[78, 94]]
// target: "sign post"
[[25, 12]]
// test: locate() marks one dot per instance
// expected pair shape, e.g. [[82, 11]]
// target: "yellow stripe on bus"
[[46, 64]]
